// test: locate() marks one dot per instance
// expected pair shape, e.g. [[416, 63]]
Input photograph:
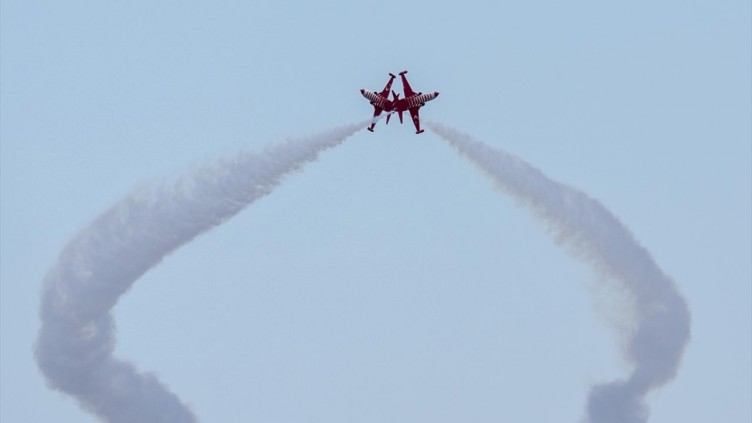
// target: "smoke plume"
[[76, 340], [658, 329]]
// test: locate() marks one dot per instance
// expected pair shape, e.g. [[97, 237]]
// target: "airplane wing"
[[376, 112], [406, 86], [385, 92], [416, 119]]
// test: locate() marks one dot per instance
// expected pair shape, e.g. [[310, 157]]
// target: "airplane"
[[380, 101], [411, 103]]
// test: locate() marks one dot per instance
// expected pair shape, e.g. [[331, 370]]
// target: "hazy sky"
[[388, 281]]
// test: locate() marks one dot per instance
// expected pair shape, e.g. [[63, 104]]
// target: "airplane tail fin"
[[403, 72]]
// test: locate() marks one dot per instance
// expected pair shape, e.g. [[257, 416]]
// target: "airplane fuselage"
[[378, 101], [420, 100], [400, 104]]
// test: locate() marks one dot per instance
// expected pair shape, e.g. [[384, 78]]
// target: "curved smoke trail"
[[76, 340], [659, 329]]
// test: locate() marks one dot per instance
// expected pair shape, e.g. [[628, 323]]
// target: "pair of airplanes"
[[412, 102]]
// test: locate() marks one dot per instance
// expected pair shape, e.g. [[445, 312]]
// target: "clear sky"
[[388, 281]]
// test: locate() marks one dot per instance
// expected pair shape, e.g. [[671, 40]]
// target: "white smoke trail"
[[76, 340], [660, 320]]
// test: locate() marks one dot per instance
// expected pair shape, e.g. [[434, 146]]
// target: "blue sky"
[[388, 281]]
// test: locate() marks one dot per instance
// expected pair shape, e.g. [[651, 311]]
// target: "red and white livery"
[[411, 103], [380, 101]]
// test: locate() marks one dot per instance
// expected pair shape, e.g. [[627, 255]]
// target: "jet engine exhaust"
[[659, 324], [75, 344]]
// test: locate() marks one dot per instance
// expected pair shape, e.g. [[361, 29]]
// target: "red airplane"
[[412, 102]]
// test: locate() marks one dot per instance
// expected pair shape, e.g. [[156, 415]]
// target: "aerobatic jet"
[[410, 103], [380, 101]]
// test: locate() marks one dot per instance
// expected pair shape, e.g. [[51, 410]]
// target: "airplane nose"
[[436, 93], [362, 90]]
